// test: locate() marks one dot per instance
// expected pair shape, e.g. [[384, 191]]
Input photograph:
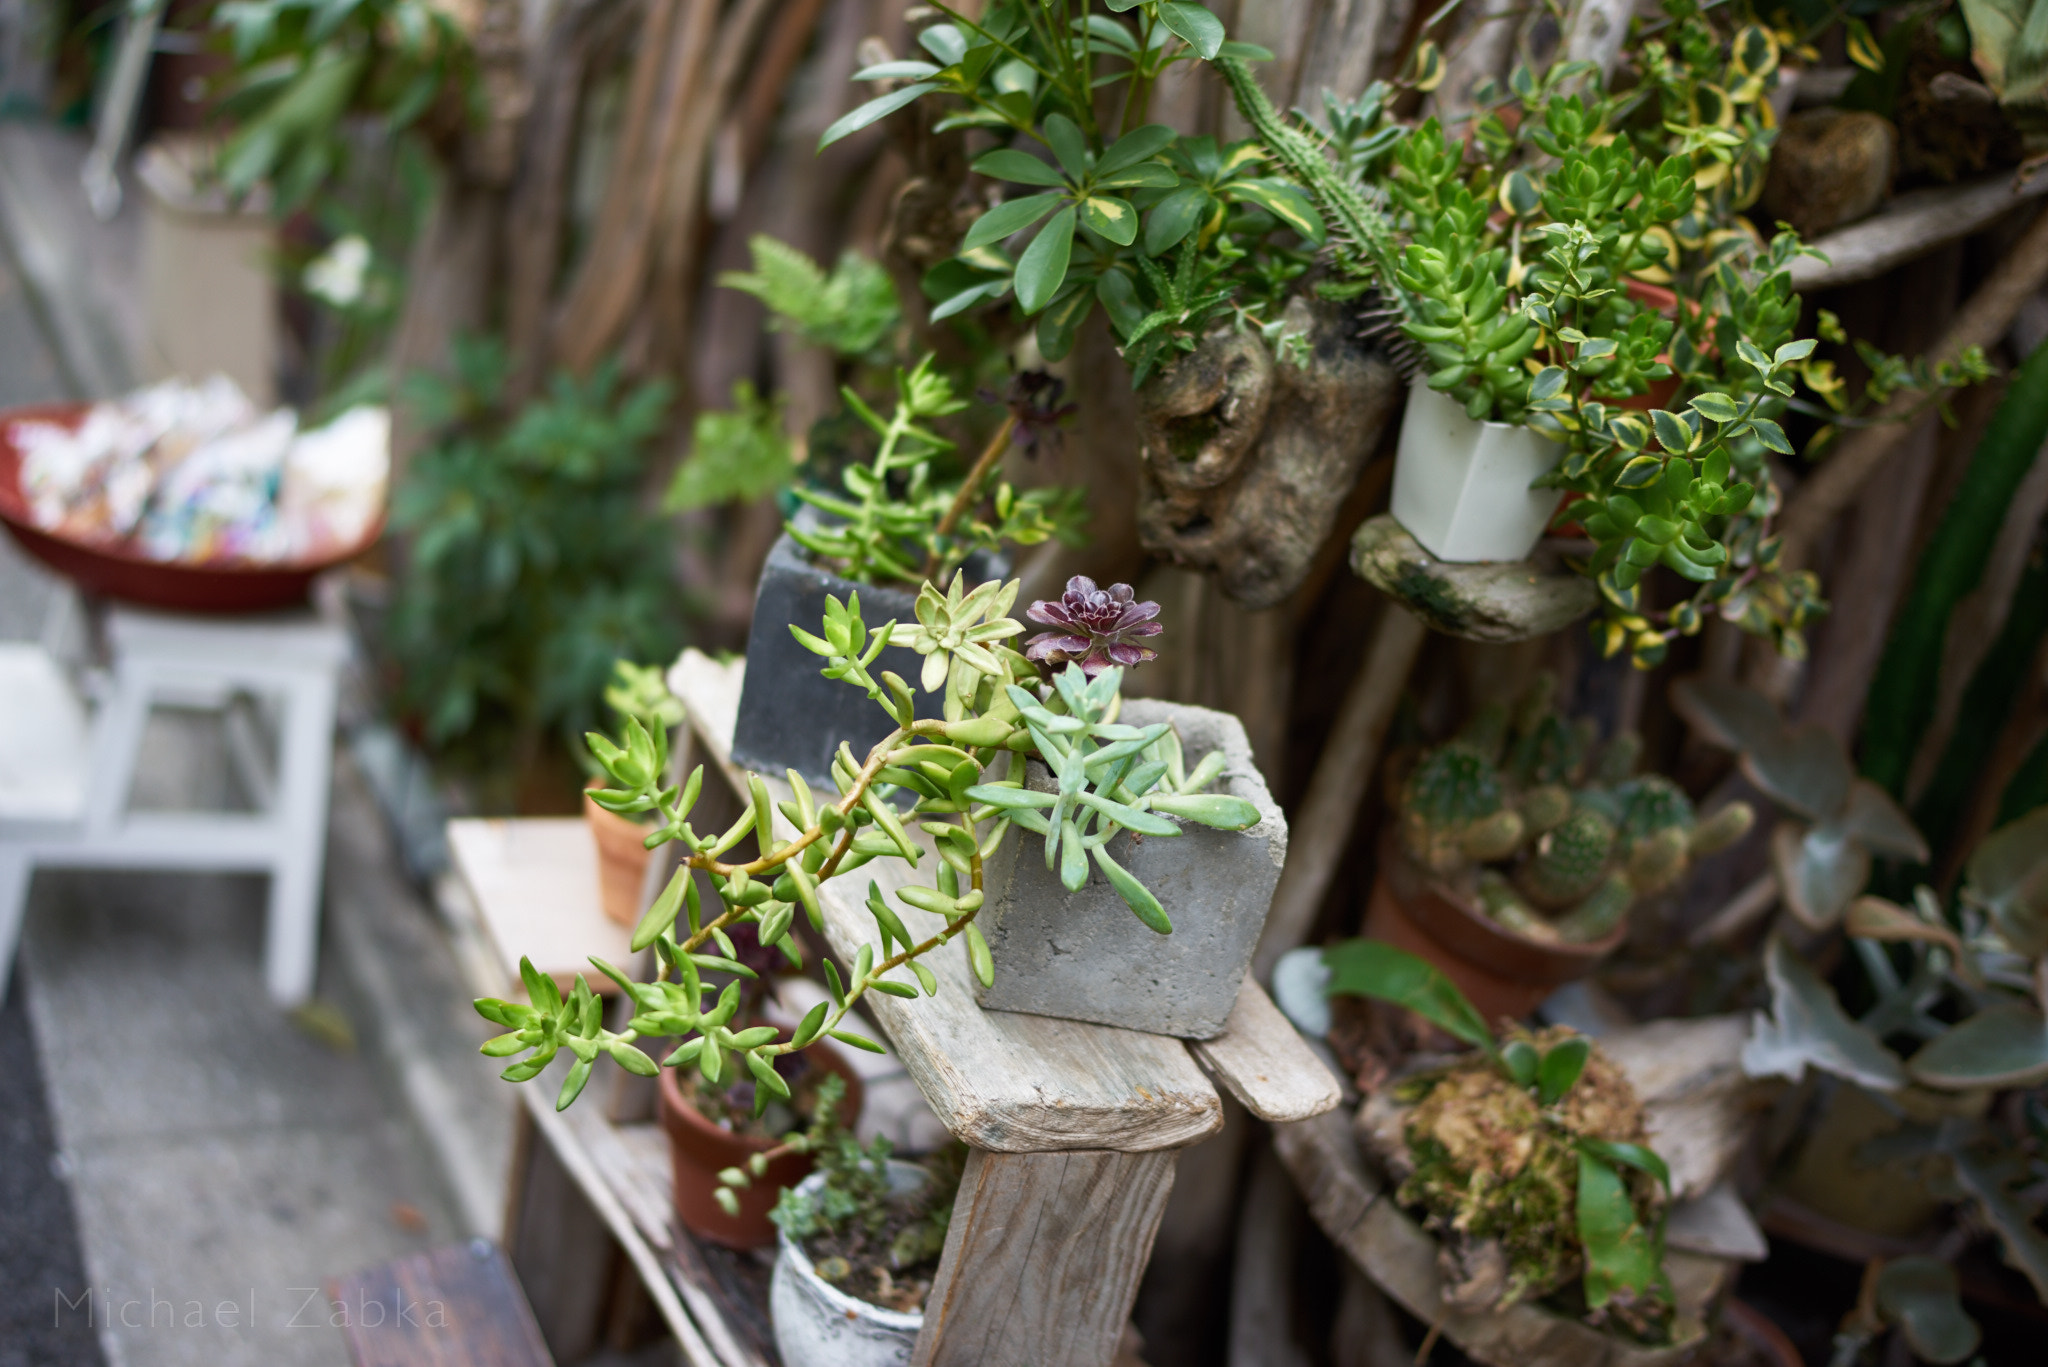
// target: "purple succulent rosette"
[[1092, 627]]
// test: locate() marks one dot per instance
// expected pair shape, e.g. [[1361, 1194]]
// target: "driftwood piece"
[[1043, 1256], [1344, 1196], [1321, 829], [1697, 1101], [1982, 321], [1340, 59], [1911, 226], [1264, 1062], [1247, 457], [1490, 602]]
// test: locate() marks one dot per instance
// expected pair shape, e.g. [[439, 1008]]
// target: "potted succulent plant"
[[895, 527], [636, 691], [965, 777], [1519, 847], [859, 1243], [1961, 985], [1071, 949], [1527, 1160]]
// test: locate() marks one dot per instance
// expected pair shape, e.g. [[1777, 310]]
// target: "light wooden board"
[[999, 1080], [534, 881], [1052, 1246], [1265, 1063]]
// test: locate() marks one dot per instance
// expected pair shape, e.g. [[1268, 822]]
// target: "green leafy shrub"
[[530, 565]]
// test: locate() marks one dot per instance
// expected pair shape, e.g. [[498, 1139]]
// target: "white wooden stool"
[[65, 783]]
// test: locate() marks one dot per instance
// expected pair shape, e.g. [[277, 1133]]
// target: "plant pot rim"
[[852, 1307], [684, 1121], [1464, 930]]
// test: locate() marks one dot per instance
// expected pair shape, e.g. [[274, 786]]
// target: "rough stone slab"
[[1480, 602], [998, 1080], [1085, 956], [1266, 1064]]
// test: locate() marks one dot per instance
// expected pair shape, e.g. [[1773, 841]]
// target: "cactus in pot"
[[1553, 836]]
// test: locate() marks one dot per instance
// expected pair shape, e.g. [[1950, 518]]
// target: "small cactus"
[[1650, 804], [1452, 788], [1495, 837], [1599, 913], [1568, 862], [1618, 759], [1658, 860], [1722, 829], [1552, 751], [1543, 808], [1508, 911]]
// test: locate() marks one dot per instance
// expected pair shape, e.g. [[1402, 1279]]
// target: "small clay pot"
[[621, 861], [699, 1150], [1504, 974]]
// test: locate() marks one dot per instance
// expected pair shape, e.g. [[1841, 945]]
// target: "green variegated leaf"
[[1718, 407], [1114, 218], [1009, 217], [1008, 163], [1285, 202]]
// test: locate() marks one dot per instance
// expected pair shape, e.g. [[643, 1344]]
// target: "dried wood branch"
[[1983, 320], [1910, 226], [1321, 829]]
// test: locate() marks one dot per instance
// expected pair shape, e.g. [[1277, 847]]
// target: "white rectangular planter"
[[1461, 487]]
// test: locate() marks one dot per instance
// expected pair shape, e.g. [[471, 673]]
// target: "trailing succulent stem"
[[964, 775]]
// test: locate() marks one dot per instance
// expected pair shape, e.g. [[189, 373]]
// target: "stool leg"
[[292, 936], [16, 868]]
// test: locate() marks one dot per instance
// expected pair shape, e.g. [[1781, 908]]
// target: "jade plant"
[[1554, 836], [1528, 1157], [1958, 991], [961, 779]]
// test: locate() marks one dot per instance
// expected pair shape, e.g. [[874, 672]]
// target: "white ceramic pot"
[[1461, 487], [818, 1325]]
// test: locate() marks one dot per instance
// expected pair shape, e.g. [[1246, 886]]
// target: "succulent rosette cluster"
[[1095, 628]]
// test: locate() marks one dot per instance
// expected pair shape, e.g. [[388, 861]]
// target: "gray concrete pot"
[[818, 1325], [791, 716], [1084, 956]]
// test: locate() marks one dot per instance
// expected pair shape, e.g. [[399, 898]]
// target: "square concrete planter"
[[1461, 487], [791, 715], [1084, 956]]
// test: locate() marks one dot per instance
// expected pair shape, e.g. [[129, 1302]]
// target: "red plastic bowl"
[[116, 568]]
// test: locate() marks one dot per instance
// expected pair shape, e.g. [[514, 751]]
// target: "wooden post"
[[1043, 1257]]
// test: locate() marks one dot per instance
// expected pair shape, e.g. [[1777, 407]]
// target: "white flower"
[[338, 274]]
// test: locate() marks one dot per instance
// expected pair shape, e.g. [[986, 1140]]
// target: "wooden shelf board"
[[534, 882]]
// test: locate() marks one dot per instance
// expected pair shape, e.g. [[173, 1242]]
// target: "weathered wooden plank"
[[1265, 1063], [998, 1080], [1043, 1258], [534, 882], [1910, 226], [453, 1307]]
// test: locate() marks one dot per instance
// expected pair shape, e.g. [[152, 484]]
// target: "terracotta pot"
[[700, 1150], [1504, 974], [621, 861]]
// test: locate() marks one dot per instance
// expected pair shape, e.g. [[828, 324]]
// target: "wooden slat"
[[998, 1080], [1043, 1257], [453, 1307], [1265, 1063], [534, 881]]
